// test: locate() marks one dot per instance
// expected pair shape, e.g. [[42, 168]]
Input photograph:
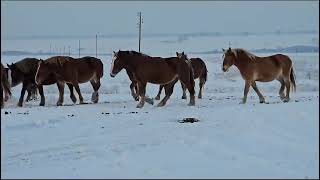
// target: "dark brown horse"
[[156, 70], [199, 71], [32, 88], [24, 72], [263, 69], [71, 71], [5, 86]]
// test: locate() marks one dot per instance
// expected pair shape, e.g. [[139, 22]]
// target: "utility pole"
[[69, 50], [139, 25], [79, 48], [50, 50], [96, 45]]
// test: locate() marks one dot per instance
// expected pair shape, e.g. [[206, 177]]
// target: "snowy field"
[[114, 139]]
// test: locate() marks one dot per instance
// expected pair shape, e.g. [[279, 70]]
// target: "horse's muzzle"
[[112, 75], [224, 69]]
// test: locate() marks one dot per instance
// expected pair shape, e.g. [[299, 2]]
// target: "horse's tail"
[[205, 73], [99, 69], [6, 84], [292, 79]]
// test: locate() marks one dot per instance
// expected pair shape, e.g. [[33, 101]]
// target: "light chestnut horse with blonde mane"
[[262, 69]]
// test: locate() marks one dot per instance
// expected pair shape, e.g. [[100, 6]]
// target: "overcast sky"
[[85, 18]]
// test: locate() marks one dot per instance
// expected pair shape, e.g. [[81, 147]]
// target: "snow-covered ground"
[[113, 139]]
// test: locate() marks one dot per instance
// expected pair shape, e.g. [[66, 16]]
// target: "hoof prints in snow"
[[189, 120], [132, 112]]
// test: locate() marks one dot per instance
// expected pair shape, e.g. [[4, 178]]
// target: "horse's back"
[[28, 65]]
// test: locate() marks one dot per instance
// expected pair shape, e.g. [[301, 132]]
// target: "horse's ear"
[[177, 53], [114, 52], [223, 50], [229, 48], [182, 52], [8, 65], [59, 63]]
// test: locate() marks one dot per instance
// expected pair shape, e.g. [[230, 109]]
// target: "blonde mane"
[[247, 53]]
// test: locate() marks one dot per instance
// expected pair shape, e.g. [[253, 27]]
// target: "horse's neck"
[[242, 63], [131, 63]]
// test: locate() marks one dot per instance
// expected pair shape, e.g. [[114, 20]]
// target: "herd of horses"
[[142, 69]]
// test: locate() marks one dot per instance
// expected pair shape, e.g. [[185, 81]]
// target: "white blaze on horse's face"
[[114, 57]]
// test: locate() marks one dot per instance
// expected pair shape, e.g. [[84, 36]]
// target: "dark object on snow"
[[189, 120]]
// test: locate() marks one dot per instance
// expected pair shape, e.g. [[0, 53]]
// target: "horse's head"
[[229, 59], [117, 64], [182, 56], [45, 69], [15, 74]]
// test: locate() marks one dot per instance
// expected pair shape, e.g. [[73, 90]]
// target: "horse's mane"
[[245, 52], [135, 53]]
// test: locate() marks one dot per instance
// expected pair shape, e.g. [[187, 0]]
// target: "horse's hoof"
[[184, 97], [160, 104], [139, 106], [136, 98], [19, 104], [157, 98], [41, 104], [199, 97], [73, 99], [59, 104], [149, 100], [286, 100]]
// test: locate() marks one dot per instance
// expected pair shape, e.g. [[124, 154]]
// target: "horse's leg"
[[245, 92], [61, 93], [133, 87], [72, 96], [76, 86], [287, 84], [42, 100], [23, 91], [184, 96], [96, 85], [2, 103], [168, 89], [142, 92], [6, 96], [34, 94], [255, 87], [29, 95], [159, 92], [281, 91], [202, 81]]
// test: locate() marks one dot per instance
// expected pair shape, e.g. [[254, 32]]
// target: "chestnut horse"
[[199, 71], [263, 69], [71, 71], [156, 70], [24, 72], [5, 86]]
